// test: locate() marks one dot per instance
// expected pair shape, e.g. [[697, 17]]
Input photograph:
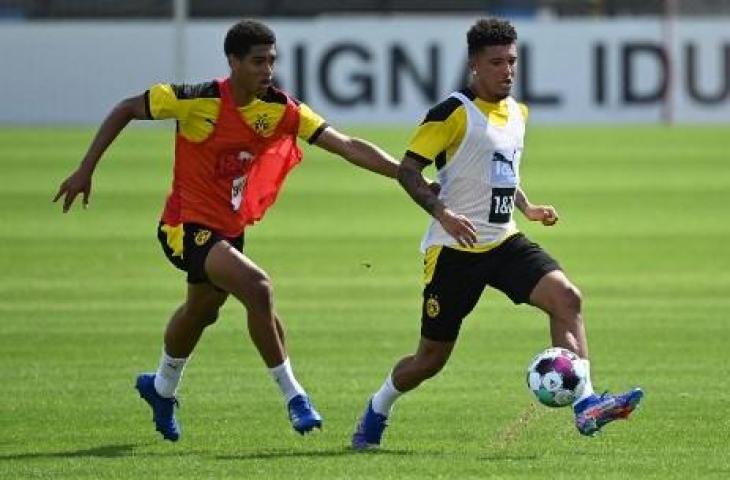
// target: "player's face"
[[254, 72], [493, 70]]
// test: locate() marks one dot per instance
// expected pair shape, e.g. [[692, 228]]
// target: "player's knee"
[[574, 299], [260, 293], [209, 317], [569, 301]]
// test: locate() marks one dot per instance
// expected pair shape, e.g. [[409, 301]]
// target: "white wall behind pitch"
[[74, 72]]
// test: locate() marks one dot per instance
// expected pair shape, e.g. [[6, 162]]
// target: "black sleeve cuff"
[[420, 158], [313, 138]]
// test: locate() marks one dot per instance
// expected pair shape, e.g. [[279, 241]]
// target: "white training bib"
[[480, 180]]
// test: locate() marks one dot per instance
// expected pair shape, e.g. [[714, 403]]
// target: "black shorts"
[[187, 247], [459, 278]]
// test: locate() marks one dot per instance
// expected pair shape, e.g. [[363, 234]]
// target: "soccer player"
[[236, 141], [475, 138]]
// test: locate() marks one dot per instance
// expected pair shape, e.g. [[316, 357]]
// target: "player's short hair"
[[244, 35], [487, 32]]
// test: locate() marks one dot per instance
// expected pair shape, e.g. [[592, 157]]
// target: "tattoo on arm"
[[411, 179]]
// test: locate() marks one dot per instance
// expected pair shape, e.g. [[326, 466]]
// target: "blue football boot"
[[304, 418], [594, 412], [162, 408], [369, 430]]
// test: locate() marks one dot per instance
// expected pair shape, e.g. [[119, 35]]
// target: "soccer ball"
[[556, 377]]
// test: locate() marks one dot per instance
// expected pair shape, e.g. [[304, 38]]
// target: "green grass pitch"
[[84, 298]]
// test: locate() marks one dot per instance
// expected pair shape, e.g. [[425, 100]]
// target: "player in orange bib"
[[236, 142]]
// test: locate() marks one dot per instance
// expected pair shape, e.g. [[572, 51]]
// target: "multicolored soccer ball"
[[556, 377]]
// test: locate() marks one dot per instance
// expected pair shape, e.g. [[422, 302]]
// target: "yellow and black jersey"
[[196, 107], [441, 132]]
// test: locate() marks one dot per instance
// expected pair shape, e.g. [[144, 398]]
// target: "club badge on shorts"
[[202, 237], [432, 307]]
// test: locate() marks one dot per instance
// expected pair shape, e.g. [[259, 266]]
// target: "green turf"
[[84, 298]]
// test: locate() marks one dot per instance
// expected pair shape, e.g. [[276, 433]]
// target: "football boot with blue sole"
[[594, 412], [163, 409]]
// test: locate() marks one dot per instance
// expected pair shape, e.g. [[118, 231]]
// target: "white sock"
[[384, 398], [588, 389], [168, 374], [284, 377]]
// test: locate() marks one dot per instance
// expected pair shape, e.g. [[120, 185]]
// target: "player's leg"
[[562, 301], [453, 287], [182, 334], [412, 370], [528, 274], [556, 295], [232, 271], [407, 374], [186, 324], [280, 329]]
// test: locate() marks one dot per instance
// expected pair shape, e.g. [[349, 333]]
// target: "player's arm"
[[358, 152], [80, 180], [537, 213], [410, 176]]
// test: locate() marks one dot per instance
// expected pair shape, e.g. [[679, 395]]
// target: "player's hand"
[[78, 182], [542, 213], [458, 226]]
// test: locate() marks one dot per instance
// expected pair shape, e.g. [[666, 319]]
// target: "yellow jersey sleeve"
[[438, 137], [194, 106], [311, 125], [163, 103], [440, 132], [196, 109]]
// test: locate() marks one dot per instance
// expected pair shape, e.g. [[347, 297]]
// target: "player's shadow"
[[339, 452], [128, 450], [506, 457], [104, 451]]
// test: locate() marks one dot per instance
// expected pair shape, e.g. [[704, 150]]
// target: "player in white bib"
[[475, 138]]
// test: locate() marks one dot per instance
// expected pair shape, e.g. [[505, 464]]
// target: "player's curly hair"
[[490, 31], [245, 34]]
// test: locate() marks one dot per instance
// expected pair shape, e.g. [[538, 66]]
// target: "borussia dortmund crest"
[[432, 307], [262, 123], [202, 237]]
